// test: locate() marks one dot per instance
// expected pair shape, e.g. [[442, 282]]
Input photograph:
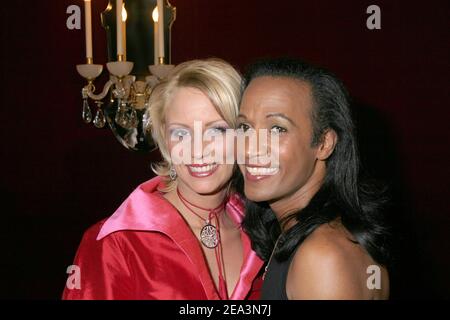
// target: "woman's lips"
[[259, 173], [202, 170]]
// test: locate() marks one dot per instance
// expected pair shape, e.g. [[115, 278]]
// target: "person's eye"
[[216, 131], [179, 133], [277, 130], [243, 127]]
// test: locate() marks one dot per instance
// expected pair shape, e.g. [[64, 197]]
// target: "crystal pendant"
[[122, 115], [99, 120], [86, 114], [123, 120], [133, 119], [119, 113]]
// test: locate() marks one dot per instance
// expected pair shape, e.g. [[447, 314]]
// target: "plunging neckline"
[[202, 252]]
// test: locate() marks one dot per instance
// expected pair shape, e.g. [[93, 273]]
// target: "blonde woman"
[[178, 235]]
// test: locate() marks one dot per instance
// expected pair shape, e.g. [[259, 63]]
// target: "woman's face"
[[200, 170], [282, 106]]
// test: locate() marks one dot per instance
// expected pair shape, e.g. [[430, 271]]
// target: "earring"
[[172, 173]]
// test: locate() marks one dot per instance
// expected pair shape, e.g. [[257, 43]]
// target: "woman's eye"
[[277, 129], [215, 131], [180, 133], [243, 127]]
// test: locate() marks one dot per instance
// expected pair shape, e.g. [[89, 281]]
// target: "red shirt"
[[145, 250]]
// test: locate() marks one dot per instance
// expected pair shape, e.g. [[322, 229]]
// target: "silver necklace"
[[271, 256], [209, 235]]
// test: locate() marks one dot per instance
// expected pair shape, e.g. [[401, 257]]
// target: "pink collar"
[[146, 210]]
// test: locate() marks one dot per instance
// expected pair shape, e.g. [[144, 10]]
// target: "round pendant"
[[208, 236]]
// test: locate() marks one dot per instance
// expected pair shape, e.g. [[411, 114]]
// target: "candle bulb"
[[88, 30], [119, 4], [160, 31], [155, 35]]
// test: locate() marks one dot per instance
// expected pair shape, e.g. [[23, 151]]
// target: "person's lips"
[[202, 170], [254, 173]]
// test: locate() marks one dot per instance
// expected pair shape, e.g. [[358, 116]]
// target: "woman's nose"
[[257, 146]]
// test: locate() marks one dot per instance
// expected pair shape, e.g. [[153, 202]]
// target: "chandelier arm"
[[90, 91]]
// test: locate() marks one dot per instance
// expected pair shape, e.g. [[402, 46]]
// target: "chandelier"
[[138, 39]]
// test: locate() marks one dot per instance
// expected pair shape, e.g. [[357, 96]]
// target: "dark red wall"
[[60, 175]]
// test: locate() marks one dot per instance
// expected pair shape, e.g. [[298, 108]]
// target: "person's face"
[[199, 170], [282, 106]]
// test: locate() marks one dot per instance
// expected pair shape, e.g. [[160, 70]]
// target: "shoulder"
[[89, 242], [118, 238], [120, 246], [92, 232], [328, 265]]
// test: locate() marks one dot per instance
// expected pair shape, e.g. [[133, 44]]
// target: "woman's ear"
[[326, 147]]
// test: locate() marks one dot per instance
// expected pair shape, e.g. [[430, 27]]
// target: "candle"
[[155, 35], [160, 29], [88, 30], [119, 29], [124, 31]]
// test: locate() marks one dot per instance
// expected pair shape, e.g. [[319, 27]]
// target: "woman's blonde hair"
[[215, 78]]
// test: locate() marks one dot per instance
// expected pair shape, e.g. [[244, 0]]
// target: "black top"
[[274, 285]]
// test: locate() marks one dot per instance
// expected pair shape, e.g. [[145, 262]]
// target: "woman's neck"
[[297, 200], [209, 201]]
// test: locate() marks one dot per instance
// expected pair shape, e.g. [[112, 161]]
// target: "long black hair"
[[342, 195]]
